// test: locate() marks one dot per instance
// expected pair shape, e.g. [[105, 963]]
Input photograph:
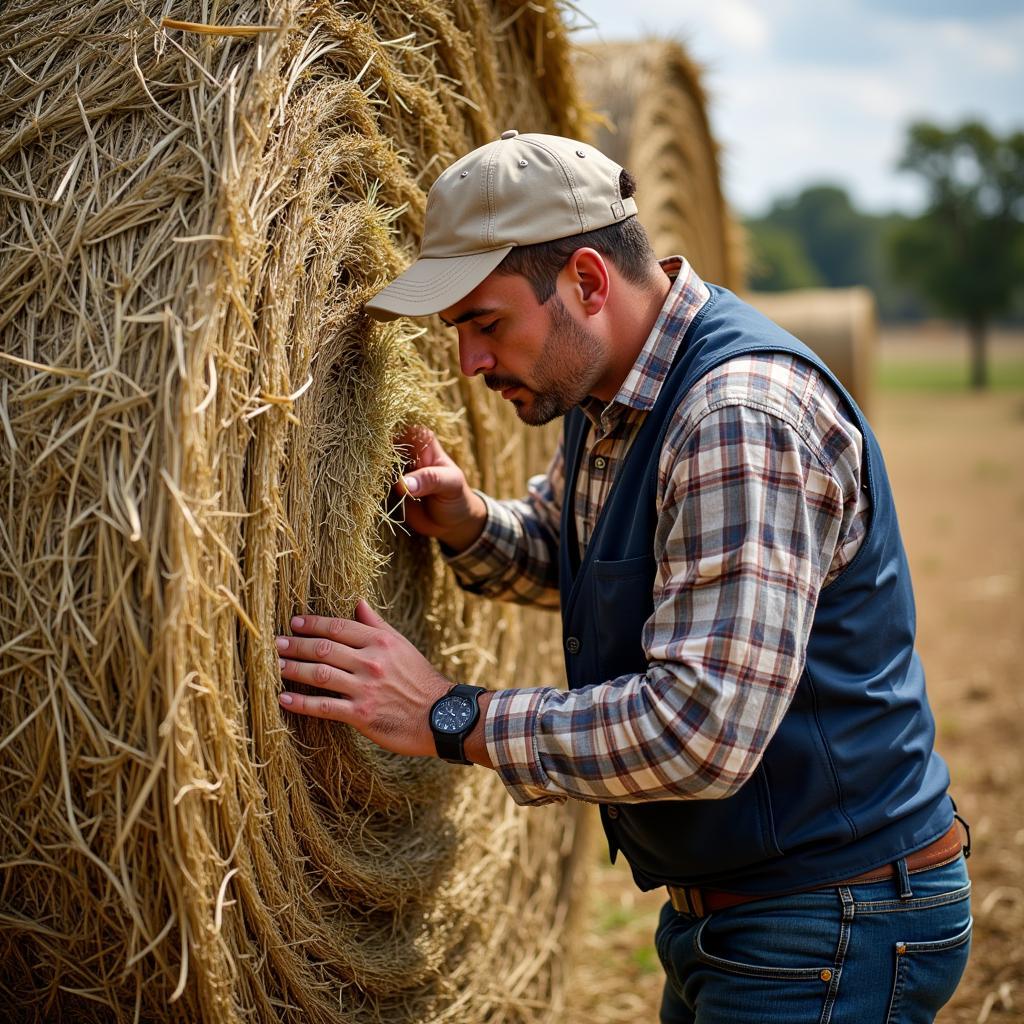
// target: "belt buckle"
[[686, 900]]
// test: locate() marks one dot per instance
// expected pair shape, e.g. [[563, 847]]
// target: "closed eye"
[[490, 328]]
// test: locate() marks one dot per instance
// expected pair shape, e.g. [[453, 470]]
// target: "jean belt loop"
[[906, 892]]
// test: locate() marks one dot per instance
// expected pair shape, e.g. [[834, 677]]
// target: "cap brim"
[[430, 285]]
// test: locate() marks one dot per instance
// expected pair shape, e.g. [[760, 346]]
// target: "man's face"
[[540, 357]]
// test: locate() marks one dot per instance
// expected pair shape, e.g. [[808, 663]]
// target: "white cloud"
[[981, 48], [740, 24], [842, 126]]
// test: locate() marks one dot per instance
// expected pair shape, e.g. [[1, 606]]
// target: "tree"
[[965, 253], [778, 261], [818, 237], [835, 235]]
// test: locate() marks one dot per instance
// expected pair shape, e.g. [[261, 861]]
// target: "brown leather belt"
[[692, 899]]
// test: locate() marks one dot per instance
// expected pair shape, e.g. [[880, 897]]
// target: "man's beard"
[[567, 368]]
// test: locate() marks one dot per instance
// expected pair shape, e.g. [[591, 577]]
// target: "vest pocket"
[[623, 601]]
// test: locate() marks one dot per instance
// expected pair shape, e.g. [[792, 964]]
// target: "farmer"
[[745, 704]]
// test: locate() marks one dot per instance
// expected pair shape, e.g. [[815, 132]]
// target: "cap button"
[[510, 134]]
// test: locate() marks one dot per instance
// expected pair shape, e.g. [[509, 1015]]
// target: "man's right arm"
[[507, 550]]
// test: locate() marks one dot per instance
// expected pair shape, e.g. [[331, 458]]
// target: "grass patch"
[[950, 727], [645, 959], [946, 377], [991, 470], [616, 917]]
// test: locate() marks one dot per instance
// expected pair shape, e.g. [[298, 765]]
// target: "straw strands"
[[654, 121], [195, 442]]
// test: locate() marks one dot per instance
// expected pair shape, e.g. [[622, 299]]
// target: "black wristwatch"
[[452, 718]]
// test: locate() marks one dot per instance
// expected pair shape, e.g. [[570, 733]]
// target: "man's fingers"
[[418, 446], [413, 439], [336, 709], [368, 617], [443, 481], [317, 650], [316, 673], [421, 448], [342, 631]]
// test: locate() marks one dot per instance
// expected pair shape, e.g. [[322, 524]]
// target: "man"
[[745, 703]]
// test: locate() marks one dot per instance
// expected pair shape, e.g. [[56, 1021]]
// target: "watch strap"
[[451, 745]]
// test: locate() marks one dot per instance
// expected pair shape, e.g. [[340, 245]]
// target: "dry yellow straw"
[[197, 442], [200, 28]]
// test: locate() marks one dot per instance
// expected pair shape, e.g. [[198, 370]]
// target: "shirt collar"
[[643, 383]]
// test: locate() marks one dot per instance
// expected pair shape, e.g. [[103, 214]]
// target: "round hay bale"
[[196, 423], [840, 324], [653, 120]]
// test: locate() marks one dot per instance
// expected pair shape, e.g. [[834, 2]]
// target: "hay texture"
[[195, 442], [653, 119], [840, 324]]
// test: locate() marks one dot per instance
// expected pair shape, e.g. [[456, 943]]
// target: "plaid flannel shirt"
[[760, 505]]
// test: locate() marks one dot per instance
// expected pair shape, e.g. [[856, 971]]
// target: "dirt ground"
[[956, 460]]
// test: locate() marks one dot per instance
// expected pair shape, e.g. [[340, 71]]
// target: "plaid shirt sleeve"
[[757, 500], [516, 557]]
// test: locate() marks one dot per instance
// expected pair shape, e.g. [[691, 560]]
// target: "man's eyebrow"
[[468, 315]]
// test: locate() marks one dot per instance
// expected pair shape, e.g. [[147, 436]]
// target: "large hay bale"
[[653, 113], [840, 324], [195, 442]]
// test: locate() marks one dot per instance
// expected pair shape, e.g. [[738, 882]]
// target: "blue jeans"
[[891, 952]]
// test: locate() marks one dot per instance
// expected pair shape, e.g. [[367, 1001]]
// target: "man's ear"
[[586, 275]]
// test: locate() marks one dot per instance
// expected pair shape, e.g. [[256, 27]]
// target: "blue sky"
[[807, 91]]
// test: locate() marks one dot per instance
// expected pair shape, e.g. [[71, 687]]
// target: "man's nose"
[[474, 357]]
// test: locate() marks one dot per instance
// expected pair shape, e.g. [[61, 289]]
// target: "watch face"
[[452, 714]]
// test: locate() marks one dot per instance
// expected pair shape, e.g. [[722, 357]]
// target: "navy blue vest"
[[850, 780]]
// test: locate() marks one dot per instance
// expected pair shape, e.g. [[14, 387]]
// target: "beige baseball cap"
[[518, 190]]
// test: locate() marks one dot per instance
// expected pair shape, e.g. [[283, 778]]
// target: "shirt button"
[[613, 811], [600, 462], [573, 645]]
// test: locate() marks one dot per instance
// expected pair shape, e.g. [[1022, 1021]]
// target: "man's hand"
[[438, 501], [381, 684]]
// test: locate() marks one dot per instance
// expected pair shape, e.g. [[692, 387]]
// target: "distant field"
[[935, 357]]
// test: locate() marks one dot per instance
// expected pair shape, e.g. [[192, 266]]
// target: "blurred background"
[[859, 174]]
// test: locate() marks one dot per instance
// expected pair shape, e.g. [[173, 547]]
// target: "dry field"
[[956, 460]]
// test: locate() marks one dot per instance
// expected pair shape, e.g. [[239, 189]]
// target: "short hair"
[[625, 243]]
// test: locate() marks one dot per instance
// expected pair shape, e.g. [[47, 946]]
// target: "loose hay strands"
[[238, 31], [653, 119], [197, 442]]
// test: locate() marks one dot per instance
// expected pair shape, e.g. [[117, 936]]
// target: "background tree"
[[835, 235], [818, 238], [965, 253], [778, 259]]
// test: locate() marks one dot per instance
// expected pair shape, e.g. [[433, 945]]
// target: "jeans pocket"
[[927, 974], [774, 962]]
